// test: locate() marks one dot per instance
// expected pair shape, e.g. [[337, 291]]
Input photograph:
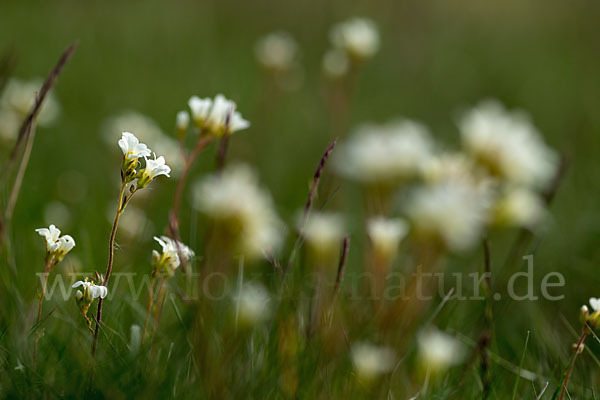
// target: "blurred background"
[[436, 59]]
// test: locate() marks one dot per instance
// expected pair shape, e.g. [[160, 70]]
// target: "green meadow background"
[[436, 59]]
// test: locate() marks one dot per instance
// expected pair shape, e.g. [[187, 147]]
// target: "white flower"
[[439, 351], [171, 250], [182, 120], [56, 245], [200, 109], [147, 131], [235, 200], [19, 96], [388, 153], [507, 144], [323, 233], [276, 51], [519, 206], [451, 212], [370, 361], [335, 63], [358, 37], [223, 119], [386, 234], [595, 303], [156, 167], [132, 148], [94, 290], [253, 303]]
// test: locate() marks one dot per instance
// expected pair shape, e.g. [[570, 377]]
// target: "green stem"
[[570, 370]]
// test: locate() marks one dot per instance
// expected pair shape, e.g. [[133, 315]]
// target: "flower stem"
[[563, 390], [149, 309], [111, 252], [47, 268]]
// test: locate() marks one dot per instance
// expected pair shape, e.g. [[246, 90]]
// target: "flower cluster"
[[216, 116], [132, 151], [245, 211], [454, 197], [148, 131], [85, 298], [591, 320], [173, 252], [15, 103], [56, 246]]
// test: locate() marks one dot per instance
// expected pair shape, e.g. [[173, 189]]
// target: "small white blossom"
[[388, 153], [156, 167], [508, 144], [132, 148], [336, 63], [323, 233], [182, 120], [359, 37], [94, 290], [223, 119], [276, 51], [56, 245], [519, 207], [200, 109], [253, 303], [169, 260], [370, 361], [452, 213], [385, 234], [439, 351], [235, 200], [595, 303]]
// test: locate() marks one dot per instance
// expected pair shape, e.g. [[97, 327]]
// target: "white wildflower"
[[200, 109], [595, 303], [323, 233], [154, 168], [168, 261], [94, 290], [253, 304], [519, 206], [371, 361], [132, 148], [385, 235], [223, 119], [336, 63], [508, 144], [235, 200], [56, 245], [19, 96], [438, 351], [276, 51], [182, 120], [450, 212], [358, 37], [386, 153]]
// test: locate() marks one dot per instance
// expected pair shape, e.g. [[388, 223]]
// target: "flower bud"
[[182, 121]]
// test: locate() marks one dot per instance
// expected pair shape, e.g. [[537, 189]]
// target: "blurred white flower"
[[223, 119], [182, 121], [323, 233], [16, 102], [56, 245], [235, 200], [439, 351], [132, 148], [94, 290], [370, 361], [456, 167], [595, 303], [169, 260], [508, 144], [200, 109], [148, 131], [276, 51], [518, 206], [385, 235], [388, 153], [453, 213], [358, 37], [253, 304], [154, 167], [336, 63]]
